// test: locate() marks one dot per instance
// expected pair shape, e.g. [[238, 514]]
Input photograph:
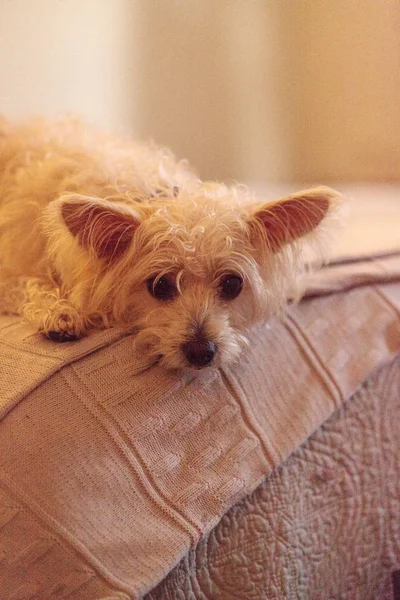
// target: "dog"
[[97, 232]]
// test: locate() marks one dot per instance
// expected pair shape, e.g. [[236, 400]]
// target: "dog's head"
[[193, 272]]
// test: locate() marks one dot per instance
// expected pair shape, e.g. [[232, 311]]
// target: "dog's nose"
[[199, 353]]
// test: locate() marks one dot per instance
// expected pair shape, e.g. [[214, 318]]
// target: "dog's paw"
[[63, 327], [61, 336]]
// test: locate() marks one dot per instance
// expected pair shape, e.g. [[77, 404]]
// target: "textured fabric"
[[109, 475], [325, 524]]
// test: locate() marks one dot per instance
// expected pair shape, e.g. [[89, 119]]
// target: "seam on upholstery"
[[56, 368], [52, 525], [386, 300], [249, 421], [118, 435], [325, 375]]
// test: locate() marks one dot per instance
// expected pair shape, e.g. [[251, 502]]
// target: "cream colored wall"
[[246, 89], [212, 85], [345, 74], [75, 55]]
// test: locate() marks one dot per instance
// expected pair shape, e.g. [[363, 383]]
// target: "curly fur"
[[86, 220]]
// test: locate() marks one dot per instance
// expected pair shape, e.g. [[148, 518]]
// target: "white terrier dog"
[[97, 232]]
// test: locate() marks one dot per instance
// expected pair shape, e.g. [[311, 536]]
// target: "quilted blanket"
[[110, 473]]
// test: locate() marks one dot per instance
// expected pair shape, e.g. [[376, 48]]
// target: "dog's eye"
[[230, 286], [163, 288]]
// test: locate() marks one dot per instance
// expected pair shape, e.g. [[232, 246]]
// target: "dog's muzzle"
[[199, 353]]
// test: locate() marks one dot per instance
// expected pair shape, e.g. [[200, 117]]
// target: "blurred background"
[[250, 90]]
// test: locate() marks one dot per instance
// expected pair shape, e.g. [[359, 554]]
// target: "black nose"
[[199, 353]]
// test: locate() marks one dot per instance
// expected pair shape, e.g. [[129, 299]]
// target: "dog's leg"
[[44, 306]]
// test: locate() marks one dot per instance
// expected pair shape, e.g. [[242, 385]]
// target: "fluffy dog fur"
[[88, 220]]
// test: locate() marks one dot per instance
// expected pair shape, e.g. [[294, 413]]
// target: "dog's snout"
[[199, 353]]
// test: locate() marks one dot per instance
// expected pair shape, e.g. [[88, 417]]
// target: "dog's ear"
[[102, 227], [285, 221]]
